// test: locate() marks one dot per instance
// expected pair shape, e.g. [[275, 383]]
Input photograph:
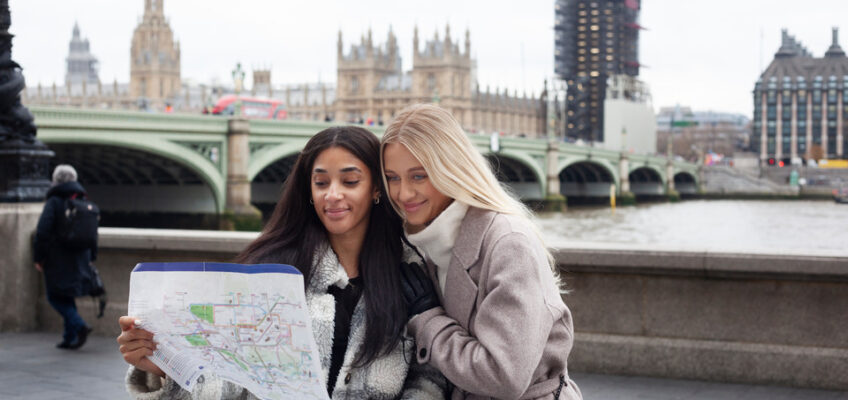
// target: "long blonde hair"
[[454, 166]]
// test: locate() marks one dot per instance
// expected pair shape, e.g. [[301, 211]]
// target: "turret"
[[467, 43], [835, 50], [415, 40], [340, 44], [448, 44]]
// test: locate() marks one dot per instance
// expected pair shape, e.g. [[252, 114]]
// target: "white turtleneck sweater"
[[436, 241]]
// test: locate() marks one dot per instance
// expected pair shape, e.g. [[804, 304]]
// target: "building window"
[[431, 82], [354, 84]]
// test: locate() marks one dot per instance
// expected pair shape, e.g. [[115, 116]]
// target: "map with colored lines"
[[247, 324]]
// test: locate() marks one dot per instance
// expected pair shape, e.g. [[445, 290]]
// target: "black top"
[[346, 300]]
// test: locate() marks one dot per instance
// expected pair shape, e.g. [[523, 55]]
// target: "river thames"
[[720, 225]]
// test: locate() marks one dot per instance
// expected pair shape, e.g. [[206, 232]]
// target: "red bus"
[[251, 107]]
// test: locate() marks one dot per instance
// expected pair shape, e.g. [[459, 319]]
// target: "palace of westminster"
[[370, 87]]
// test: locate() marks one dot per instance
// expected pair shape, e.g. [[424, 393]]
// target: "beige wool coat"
[[503, 330]]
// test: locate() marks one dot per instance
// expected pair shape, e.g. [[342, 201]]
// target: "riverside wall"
[[666, 312]]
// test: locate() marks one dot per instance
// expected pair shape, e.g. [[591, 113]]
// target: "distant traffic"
[[251, 107]]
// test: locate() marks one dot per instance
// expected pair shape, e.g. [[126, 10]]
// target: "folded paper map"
[[247, 324]]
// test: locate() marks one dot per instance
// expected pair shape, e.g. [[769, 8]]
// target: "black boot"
[[65, 345], [82, 336]]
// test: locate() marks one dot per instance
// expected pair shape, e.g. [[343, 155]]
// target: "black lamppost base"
[[24, 160], [24, 168]]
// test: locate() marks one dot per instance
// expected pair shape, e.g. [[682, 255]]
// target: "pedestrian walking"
[[65, 245]]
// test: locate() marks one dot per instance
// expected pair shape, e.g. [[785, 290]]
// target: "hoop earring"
[[377, 200], [311, 202]]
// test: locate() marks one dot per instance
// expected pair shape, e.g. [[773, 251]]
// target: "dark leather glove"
[[418, 289]]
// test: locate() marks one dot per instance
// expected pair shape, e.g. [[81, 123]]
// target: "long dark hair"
[[294, 233]]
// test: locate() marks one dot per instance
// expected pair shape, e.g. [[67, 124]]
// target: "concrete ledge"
[[710, 360], [715, 314], [827, 266], [175, 239]]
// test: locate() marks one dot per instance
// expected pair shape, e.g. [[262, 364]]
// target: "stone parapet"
[[19, 281], [748, 317], [693, 313]]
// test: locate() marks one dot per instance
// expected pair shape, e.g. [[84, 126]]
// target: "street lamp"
[[24, 160], [238, 82]]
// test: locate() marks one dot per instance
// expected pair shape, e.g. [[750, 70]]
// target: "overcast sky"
[[702, 53]]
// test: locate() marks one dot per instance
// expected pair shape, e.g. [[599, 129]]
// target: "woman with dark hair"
[[331, 224]]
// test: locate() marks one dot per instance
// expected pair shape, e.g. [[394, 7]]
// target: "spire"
[[467, 42], [835, 50], [415, 40], [391, 43], [340, 44], [76, 30]]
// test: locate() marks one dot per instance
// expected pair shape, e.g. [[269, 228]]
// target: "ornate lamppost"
[[238, 83], [24, 160]]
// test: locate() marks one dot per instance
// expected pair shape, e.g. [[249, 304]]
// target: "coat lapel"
[[460, 290]]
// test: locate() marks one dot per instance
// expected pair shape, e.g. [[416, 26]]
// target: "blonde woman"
[[502, 329]]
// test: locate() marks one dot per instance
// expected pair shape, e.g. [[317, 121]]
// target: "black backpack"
[[78, 226]]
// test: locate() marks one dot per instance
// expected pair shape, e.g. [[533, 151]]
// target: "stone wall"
[[677, 313], [748, 318]]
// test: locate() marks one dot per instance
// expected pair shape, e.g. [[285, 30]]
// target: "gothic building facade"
[[372, 86], [154, 57]]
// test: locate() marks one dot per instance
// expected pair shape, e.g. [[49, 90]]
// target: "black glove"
[[418, 290]]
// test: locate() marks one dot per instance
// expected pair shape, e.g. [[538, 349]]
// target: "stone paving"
[[32, 368]]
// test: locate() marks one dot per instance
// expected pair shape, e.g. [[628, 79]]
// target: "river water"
[[731, 225]]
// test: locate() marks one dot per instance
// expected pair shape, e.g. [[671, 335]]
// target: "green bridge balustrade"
[[144, 162]]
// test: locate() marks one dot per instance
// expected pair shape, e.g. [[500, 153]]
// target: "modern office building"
[[801, 104], [596, 43]]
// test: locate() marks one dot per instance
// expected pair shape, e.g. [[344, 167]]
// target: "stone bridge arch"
[[266, 184], [646, 180], [165, 176], [586, 179], [685, 183], [520, 172]]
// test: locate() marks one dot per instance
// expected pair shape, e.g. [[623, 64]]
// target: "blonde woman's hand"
[[136, 345]]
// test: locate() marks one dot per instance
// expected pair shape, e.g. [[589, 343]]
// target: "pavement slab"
[[31, 367]]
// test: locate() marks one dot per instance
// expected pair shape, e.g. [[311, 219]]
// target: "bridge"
[[208, 165]]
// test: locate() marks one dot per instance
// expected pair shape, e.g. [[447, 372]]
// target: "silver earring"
[[377, 200], [311, 202]]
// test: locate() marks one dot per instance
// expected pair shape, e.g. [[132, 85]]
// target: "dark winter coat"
[[66, 271]]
